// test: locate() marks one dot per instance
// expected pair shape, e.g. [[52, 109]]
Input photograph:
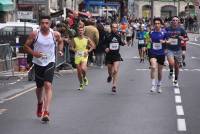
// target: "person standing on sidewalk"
[[44, 41], [82, 46], [158, 39], [113, 41], [176, 34]]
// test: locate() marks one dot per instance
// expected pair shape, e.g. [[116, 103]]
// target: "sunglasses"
[[175, 20]]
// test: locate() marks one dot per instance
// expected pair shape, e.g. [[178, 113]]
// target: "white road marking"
[[195, 69], [177, 91], [181, 125], [2, 111], [194, 43], [179, 110], [178, 99], [135, 57], [166, 70], [19, 94]]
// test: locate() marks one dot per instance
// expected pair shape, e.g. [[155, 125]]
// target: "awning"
[[6, 5]]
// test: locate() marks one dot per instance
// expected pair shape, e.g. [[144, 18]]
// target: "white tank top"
[[45, 45]]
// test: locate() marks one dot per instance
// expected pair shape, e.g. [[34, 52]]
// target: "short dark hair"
[[114, 22], [157, 19], [45, 17], [175, 17]]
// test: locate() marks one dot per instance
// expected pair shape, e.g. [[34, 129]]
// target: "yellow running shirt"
[[80, 47]]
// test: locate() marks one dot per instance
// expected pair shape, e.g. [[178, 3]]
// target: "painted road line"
[[19, 94], [179, 110], [3, 111], [181, 124], [194, 43], [177, 91], [178, 99]]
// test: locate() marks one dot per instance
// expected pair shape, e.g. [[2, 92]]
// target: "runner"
[[148, 41], [80, 45], [113, 57], [44, 43], [174, 54], [141, 43], [157, 54]]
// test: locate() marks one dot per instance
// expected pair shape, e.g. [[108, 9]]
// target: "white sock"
[[153, 81], [159, 83]]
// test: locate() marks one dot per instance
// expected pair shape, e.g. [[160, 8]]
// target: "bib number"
[[141, 42], [173, 41], [80, 53], [157, 46], [114, 46]]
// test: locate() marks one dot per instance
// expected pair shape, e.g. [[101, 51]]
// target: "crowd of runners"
[[157, 44]]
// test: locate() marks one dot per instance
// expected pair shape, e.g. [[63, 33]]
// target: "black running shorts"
[[110, 59], [183, 48], [160, 58], [44, 73]]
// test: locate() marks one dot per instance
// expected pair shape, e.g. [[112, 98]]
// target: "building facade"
[[31, 10], [163, 8]]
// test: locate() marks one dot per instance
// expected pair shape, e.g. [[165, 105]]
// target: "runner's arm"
[[29, 42]]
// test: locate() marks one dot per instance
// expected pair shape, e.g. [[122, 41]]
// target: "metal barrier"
[[6, 62], [65, 59]]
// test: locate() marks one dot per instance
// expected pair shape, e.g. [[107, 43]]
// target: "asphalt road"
[[133, 110]]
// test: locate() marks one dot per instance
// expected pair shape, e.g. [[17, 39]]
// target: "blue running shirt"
[[157, 48], [140, 37]]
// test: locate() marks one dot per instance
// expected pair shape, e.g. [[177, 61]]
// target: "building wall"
[[157, 6]]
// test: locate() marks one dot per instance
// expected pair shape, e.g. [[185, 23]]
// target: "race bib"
[[80, 53], [173, 41], [157, 46], [114, 46], [182, 42], [141, 42]]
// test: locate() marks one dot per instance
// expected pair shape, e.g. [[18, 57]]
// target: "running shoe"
[[45, 117], [175, 83], [159, 89], [114, 89], [109, 79], [153, 88], [39, 110], [81, 87], [85, 80]]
